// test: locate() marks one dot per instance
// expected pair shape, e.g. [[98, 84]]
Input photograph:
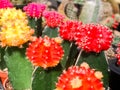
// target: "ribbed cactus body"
[[90, 11]]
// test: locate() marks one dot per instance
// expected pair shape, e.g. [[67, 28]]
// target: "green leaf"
[[45, 79], [19, 68], [98, 62]]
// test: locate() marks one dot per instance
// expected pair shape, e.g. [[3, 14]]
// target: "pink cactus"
[[53, 18], [34, 9], [5, 4]]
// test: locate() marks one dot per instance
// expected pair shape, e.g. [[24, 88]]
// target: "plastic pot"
[[114, 77]]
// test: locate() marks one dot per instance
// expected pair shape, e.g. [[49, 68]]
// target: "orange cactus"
[[44, 52], [80, 78]]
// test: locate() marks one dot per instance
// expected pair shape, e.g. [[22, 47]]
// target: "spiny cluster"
[[5, 4], [117, 55], [45, 52], [34, 9], [53, 18], [112, 21], [14, 27], [80, 78], [93, 37], [68, 29], [12, 15]]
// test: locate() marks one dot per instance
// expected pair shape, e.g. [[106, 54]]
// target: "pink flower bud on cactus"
[[34, 9], [5, 4], [44, 52], [80, 78], [93, 37], [53, 18], [68, 28]]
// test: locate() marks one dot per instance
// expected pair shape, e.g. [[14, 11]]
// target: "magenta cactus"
[[34, 10], [53, 18], [5, 4]]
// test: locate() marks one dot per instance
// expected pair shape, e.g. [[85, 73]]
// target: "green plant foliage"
[[19, 68], [50, 32], [72, 55], [45, 79], [90, 11], [2, 61], [66, 47], [98, 62], [116, 40], [79, 1]]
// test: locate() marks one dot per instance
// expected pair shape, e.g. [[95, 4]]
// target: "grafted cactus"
[[79, 42]]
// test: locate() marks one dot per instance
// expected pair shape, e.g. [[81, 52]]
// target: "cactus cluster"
[[55, 49]]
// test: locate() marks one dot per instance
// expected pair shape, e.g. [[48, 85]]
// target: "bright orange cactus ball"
[[80, 78], [45, 52]]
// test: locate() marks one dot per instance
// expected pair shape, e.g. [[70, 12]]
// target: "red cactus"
[[117, 55], [5, 4], [44, 52], [93, 37], [34, 9], [118, 58], [80, 78], [53, 18], [68, 28]]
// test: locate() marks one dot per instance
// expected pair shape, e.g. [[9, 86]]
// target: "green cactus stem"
[[97, 61], [45, 79], [2, 61], [19, 68], [36, 24], [90, 11], [50, 32]]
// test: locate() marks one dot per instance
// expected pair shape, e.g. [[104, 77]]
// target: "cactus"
[[90, 14], [90, 11], [20, 69], [59, 50], [2, 61]]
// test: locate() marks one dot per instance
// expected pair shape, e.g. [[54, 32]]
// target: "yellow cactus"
[[11, 15], [14, 28]]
